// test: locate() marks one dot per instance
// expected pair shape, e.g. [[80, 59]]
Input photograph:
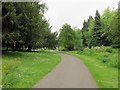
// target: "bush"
[[99, 49], [111, 59], [79, 52], [105, 60], [106, 55], [110, 50]]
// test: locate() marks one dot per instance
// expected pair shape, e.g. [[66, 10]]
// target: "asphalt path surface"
[[69, 73]]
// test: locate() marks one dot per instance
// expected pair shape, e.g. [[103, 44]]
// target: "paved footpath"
[[70, 73]]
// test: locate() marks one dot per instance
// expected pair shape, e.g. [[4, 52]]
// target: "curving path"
[[70, 73]]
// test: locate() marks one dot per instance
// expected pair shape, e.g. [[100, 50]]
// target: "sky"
[[74, 12]]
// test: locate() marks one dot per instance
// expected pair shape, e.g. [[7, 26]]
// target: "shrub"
[[79, 52], [105, 60], [99, 49], [111, 59], [110, 50]]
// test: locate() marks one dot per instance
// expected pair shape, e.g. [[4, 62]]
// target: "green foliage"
[[24, 25], [97, 39], [103, 54], [78, 40], [114, 31], [51, 40], [110, 26], [25, 69], [106, 55], [110, 50], [102, 30], [66, 37], [84, 29], [88, 34]]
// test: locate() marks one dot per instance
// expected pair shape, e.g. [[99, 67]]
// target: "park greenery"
[[25, 69], [24, 26], [99, 31], [25, 29], [102, 63]]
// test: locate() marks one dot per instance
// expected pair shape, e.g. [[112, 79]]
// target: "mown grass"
[[102, 64], [25, 69]]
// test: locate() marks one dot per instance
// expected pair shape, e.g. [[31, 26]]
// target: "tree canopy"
[[102, 30], [66, 37], [24, 25]]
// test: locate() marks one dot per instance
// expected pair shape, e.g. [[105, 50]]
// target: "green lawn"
[[102, 65], [25, 69]]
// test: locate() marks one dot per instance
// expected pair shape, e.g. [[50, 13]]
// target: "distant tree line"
[[24, 26], [102, 30]]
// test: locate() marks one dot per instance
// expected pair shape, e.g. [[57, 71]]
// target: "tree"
[[78, 40], [32, 30], [84, 29], [9, 21], [114, 29], [87, 31], [110, 27], [88, 34], [23, 24], [66, 37], [105, 20], [96, 40], [51, 40]]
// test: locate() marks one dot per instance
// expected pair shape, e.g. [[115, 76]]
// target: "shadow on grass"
[[12, 53]]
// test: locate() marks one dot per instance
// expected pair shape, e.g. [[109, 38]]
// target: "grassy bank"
[[103, 65], [25, 69]]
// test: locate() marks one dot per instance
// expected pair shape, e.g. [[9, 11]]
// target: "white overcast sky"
[[74, 12]]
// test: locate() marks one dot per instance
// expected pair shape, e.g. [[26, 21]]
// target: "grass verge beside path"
[[25, 69], [105, 75]]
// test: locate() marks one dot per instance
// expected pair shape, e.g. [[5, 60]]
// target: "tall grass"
[[25, 69], [106, 55]]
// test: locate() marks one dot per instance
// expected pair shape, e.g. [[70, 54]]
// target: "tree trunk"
[[16, 46], [7, 46], [90, 45], [29, 48]]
